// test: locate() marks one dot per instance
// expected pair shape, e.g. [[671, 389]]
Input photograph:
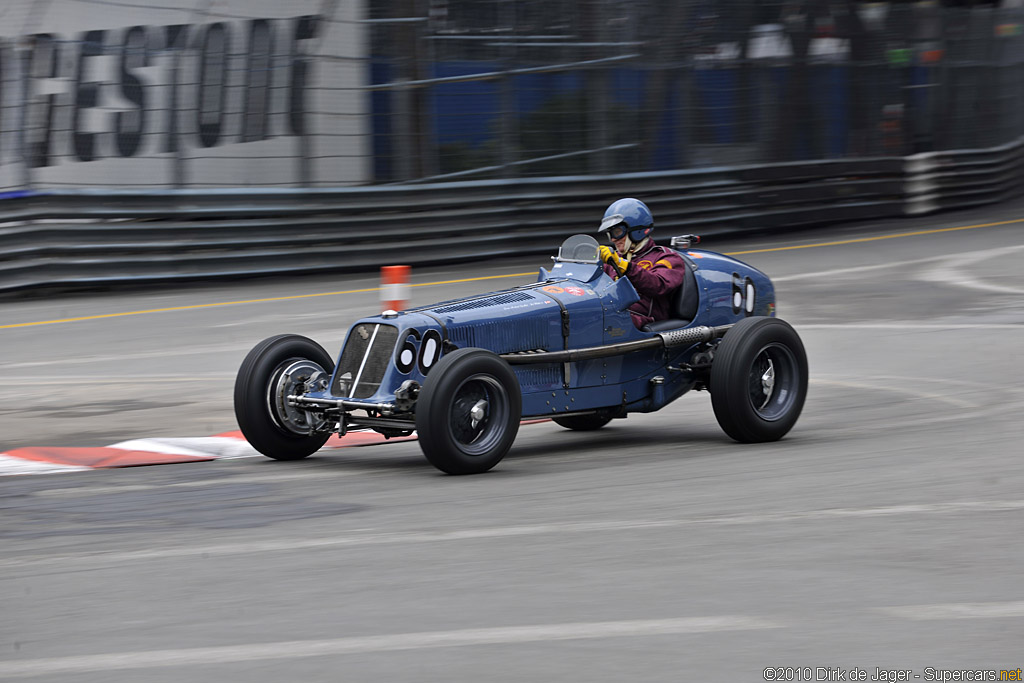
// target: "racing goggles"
[[615, 226], [618, 232]]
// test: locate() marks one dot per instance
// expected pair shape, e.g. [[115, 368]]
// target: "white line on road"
[[367, 537], [383, 643], [947, 272], [877, 384], [951, 271], [911, 326], [92, 381], [269, 479], [818, 275], [957, 610]]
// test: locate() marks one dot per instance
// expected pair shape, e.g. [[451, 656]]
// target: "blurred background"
[[526, 88], [212, 139], [323, 93]]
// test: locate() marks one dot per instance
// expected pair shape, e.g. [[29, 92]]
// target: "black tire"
[[272, 430], [582, 423], [751, 406], [452, 437]]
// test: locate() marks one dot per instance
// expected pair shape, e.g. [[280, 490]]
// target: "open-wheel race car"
[[462, 374]]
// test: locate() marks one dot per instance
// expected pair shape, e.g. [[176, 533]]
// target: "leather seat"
[[683, 303]]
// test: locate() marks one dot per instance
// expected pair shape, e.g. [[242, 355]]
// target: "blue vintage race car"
[[463, 373]]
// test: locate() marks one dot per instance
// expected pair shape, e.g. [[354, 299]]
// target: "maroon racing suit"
[[655, 272]]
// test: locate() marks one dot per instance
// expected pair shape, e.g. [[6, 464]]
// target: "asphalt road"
[[882, 533]]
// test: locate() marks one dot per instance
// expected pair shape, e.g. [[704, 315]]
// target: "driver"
[[655, 272]]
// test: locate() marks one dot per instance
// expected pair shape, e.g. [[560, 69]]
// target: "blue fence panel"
[[380, 110]]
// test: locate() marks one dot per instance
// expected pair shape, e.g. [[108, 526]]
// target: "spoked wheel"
[[468, 411], [759, 380], [276, 368]]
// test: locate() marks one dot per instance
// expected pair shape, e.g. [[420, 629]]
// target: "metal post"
[[25, 76], [305, 163], [509, 117], [598, 97], [174, 132], [426, 149], [403, 113]]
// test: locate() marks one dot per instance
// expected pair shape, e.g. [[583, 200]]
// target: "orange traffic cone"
[[394, 287]]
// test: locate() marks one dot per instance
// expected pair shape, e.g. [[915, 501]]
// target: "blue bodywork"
[[574, 305]]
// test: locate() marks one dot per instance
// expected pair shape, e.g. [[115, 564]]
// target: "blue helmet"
[[628, 216]]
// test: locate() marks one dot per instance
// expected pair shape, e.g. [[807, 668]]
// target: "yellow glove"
[[609, 255]]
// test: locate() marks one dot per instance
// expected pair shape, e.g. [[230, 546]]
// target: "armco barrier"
[[964, 178], [93, 238]]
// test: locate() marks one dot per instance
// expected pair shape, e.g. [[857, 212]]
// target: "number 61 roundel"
[[418, 350], [744, 295]]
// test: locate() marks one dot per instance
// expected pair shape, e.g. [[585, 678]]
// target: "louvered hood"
[[502, 322], [522, 319], [488, 301]]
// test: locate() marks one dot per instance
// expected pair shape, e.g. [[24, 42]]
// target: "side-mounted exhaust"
[[672, 338]]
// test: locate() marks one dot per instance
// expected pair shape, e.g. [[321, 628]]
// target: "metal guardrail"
[[963, 178], [93, 238]]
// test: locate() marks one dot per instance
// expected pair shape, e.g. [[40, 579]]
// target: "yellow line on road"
[[180, 308], [491, 277], [249, 301], [877, 237]]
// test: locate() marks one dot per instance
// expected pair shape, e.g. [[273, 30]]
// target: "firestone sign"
[[157, 103]]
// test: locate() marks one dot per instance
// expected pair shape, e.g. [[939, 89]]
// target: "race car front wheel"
[[759, 380], [276, 368], [468, 411]]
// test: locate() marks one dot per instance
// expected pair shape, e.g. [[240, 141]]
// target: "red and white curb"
[[162, 451]]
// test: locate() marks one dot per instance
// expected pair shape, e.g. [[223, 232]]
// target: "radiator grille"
[[364, 361]]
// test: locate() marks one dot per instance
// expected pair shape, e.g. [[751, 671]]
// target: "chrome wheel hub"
[[292, 378], [768, 383], [477, 412], [773, 380]]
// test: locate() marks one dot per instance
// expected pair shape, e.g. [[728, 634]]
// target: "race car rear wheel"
[[468, 411], [759, 380], [276, 368], [582, 423]]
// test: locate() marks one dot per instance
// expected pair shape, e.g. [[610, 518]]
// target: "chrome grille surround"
[[365, 360]]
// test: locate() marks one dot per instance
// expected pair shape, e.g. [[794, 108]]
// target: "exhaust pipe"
[[672, 338]]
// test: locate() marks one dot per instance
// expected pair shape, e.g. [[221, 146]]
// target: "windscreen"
[[579, 249]]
